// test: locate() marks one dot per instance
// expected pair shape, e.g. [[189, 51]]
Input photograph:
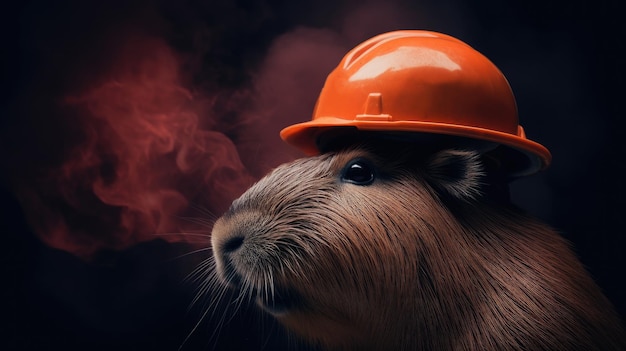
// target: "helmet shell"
[[424, 82]]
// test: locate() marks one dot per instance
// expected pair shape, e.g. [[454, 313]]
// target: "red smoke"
[[151, 149]]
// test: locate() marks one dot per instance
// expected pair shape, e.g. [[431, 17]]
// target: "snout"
[[247, 260], [225, 245]]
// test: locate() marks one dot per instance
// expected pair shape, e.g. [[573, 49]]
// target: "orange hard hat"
[[421, 82]]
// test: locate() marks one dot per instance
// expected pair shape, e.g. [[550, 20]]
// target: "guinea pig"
[[389, 246]]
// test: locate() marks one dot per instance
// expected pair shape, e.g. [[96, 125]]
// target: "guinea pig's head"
[[335, 245]]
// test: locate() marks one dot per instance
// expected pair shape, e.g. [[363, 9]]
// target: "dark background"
[[562, 58]]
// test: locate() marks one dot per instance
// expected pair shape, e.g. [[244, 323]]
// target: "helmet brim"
[[305, 136]]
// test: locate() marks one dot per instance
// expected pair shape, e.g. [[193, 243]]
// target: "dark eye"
[[358, 172]]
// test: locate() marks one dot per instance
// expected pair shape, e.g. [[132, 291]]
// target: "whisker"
[[270, 281], [200, 250], [193, 330], [208, 314], [198, 234], [236, 303], [245, 291], [201, 273], [199, 220], [209, 287], [205, 212]]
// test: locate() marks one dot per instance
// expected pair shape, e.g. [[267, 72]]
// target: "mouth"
[[274, 299]]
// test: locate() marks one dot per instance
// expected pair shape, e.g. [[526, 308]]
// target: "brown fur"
[[420, 259]]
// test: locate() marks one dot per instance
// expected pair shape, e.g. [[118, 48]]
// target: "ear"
[[457, 173]]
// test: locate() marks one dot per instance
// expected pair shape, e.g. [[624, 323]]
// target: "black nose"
[[233, 244]]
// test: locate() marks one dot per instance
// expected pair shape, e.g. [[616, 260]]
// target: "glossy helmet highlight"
[[421, 82]]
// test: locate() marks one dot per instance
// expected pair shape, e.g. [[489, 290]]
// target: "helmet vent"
[[374, 109]]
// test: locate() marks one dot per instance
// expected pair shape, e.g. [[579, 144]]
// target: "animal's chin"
[[279, 302]]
